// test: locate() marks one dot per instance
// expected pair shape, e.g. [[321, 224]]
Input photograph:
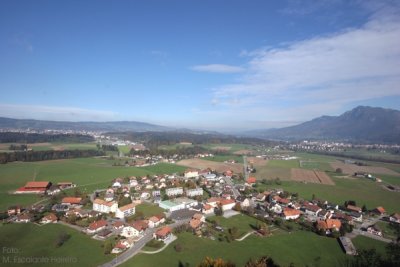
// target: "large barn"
[[34, 188]]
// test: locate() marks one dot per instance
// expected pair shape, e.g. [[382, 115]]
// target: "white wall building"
[[191, 174], [194, 192], [104, 206], [175, 191], [125, 211]]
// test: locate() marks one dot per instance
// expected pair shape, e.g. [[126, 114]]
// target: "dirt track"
[[311, 176], [218, 166]]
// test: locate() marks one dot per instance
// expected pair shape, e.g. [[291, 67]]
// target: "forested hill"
[[23, 124], [16, 137], [155, 139]]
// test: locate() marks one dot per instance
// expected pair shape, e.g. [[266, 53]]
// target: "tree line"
[[48, 155], [17, 137]]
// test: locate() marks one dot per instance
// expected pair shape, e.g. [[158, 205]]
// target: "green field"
[[39, 241], [242, 222], [124, 149], [87, 173], [365, 243], [174, 146], [301, 248], [149, 210]]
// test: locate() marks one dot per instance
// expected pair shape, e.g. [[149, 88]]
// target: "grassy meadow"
[[301, 248], [39, 241]]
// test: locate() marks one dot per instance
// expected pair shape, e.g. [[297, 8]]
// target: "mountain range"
[[361, 124]]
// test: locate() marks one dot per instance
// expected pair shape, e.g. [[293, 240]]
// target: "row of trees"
[[14, 137], [48, 155]]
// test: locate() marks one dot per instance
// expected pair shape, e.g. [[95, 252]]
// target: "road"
[[367, 222], [229, 182], [246, 174], [135, 249]]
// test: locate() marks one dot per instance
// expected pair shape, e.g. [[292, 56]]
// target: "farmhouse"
[[125, 211], [155, 221], [379, 211], [191, 174], [163, 234], [194, 192], [311, 209], [50, 218], [374, 229], [104, 206], [353, 208], [34, 188], [395, 217], [65, 185], [97, 226], [174, 191], [227, 204], [71, 201], [251, 180], [13, 210], [329, 224], [291, 214], [23, 218]]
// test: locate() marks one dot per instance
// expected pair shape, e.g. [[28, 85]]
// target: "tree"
[[61, 239], [364, 208], [108, 246], [210, 262], [261, 262], [339, 170]]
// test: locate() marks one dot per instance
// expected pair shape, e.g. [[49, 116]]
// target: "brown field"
[[352, 168], [257, 161], [243, 152], [318, 177], [222, 148], [39, 144], [218, 166]]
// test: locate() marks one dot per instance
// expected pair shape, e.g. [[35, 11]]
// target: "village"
[[187, 201]]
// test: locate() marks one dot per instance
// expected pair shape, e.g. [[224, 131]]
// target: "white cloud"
[[217, 68], [356, 64], [55, 113]]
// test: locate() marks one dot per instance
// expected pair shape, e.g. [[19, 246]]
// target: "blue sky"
[[219, 65]]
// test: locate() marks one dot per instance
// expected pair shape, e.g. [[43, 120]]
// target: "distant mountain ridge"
[[363, 124], [23, 124]]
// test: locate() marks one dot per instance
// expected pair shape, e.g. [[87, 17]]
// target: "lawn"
[[243, 222], [64, 146], [88, 173], [39, 241], [387, 231], [149, 210], [301, 248], [365, 243]]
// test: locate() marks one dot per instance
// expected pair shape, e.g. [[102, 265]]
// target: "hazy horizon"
[[199, 65]]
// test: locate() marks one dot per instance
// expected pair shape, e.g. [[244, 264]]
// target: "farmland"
[[313, 176], [222, 158], [352, 168]]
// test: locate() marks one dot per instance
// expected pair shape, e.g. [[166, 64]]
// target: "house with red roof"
[[71, 201], [291, 214], [163, 233], [97, 226], [329, 225], [251, 180], [50, 218], [379, 211]]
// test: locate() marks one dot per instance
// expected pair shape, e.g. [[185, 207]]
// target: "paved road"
[[135, 249], [367, 222], [246, 174], [76, 227], [229, 182]]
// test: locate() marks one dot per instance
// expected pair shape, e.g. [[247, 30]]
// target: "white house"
[[227, 204], [191, 174], [129, 231], [395, 217], [291, 214], [104, 206], [174, 191], [155, 221], [194, 192], [125, 211]]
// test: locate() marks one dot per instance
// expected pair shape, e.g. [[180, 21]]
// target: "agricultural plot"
[[257, 161], [352, 168], [218, 166], [308, 176]]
